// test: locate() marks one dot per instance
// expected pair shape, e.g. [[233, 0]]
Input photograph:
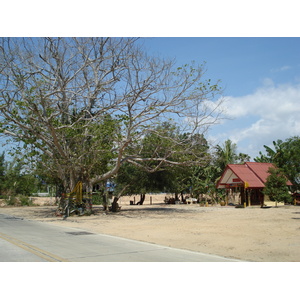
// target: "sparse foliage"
[[81, 106]]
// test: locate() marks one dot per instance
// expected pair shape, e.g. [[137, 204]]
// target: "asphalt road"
[[31, 241]]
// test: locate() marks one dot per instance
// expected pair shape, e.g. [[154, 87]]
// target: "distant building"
[[249, 179]]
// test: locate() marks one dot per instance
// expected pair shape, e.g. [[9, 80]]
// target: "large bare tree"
[[83, 105]]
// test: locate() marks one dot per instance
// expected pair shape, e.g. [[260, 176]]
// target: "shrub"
[[97, 198], [25, 201], [11, 200], [276, 187]]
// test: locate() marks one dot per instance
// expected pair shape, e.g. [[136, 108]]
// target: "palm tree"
[[226, 155]]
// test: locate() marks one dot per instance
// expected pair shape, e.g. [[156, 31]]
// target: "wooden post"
[[261, 198], [134, 200], [243, 196], [227, 196], [150, 200]]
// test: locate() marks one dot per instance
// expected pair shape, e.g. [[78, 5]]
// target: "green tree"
[[155, 175], [15, 179], [132, 180], [272, 155], [204, 181], [276, 188], [80, 106], [291, 161], [286, 156], [227, 154], [242, 158]]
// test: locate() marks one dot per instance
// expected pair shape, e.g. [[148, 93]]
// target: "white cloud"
[[270, 100], [281, 69], [270, 113]]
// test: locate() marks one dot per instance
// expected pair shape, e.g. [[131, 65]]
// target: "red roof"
[[251, 174], [246, 175], [260, 169]]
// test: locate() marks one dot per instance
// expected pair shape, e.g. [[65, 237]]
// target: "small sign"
[[236, 180]]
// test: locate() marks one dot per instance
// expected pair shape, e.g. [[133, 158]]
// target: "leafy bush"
[[19, 200], [97, 198], [25, 201], [11, 200]]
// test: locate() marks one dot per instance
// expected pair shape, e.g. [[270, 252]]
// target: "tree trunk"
[[142, 199], [105, 201], [115, 206], [182, 198]]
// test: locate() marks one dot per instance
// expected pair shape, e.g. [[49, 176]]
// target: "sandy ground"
[[251, 234]]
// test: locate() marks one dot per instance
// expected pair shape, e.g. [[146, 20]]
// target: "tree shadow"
[[151, 209], [45, 212]]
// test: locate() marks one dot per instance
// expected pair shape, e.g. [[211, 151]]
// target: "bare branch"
[[88, 103]]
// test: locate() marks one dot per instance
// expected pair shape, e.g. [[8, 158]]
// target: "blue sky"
[[260, 72], [261, 81]]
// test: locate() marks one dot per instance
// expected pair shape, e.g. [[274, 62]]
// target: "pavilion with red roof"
[[249, 179]]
